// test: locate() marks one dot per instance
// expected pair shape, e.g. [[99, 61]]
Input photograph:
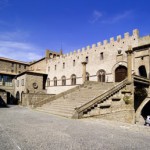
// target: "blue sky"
[[29, 27]]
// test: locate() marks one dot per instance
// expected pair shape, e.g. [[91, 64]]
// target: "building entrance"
[[120, 73]]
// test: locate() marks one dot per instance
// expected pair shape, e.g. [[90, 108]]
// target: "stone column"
[[129, 63], [84, 71]]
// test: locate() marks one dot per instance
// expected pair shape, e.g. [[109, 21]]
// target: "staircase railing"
[[80, 110], [141, 79]]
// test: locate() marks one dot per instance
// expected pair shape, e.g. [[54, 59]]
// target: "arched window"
[[55, 81], [48, 82], [63, 80], [101, 75], [87, 76], [142, 71], [73, 79]]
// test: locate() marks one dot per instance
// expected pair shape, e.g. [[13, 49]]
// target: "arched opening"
[[73, 79], [3, 98], [140, 94], [21, 96], [142, 71], [146, 110], [101, 75], [48, 82], [17, 97], [55, 81], [120, 73], [87, 76], [63, 80]]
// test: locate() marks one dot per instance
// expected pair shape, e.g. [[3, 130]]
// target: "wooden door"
[[120, 73]]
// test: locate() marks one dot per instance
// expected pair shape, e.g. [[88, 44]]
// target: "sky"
[[29, 27]]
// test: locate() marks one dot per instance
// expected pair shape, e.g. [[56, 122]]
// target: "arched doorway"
[[146, 110], [55, 81], [142, 71], [17, 97], [120, 73], [101, 75], [63, 80], [73, 79]]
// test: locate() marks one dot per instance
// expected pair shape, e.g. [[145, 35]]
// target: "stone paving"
[[25, 129]]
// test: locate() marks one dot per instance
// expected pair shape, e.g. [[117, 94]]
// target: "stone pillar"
[[129, 63], [84, 71]]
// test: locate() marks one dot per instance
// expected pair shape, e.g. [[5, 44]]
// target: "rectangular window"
[[87, 59], [12, 64], [48, 69], [25, 67], [63, 65], [22, 82], [55, 67], [19, 65], [101, 56], [74, 62], [17, 83], [1, 78]]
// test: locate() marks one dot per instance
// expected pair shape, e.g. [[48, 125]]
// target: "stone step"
[[68, 115], [65, 105], [60, 107], [59, 110]]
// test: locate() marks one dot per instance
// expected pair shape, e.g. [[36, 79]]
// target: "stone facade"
[[101, 59], [109, 62], [12, 66], [29, 82]]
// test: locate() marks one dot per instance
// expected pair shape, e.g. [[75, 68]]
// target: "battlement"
[[112, 41]]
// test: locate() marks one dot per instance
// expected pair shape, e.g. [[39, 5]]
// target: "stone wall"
[[39, 65], [100, 56], [12, 67], [29, 99], [125, 115], [27, 85], [142, 58]]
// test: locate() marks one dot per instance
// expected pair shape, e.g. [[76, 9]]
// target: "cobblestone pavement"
[[25, 129]]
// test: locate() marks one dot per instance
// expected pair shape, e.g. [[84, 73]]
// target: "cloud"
[[118, 17], [19, 51], [95, 16], [15, 35], [12, 46]]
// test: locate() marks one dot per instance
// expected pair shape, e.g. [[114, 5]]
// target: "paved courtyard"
[[25, 129]]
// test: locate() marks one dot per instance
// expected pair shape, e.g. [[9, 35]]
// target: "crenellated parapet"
[[113, 42]]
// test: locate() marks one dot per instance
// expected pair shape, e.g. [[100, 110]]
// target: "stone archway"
[[143, 110], [73, 79], [120, 73], [17, 97], [63, 78], [101, 75]]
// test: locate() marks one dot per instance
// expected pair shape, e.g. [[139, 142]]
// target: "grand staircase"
[[74, 103]]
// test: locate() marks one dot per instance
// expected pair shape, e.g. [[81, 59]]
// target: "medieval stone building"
[[106, 80]]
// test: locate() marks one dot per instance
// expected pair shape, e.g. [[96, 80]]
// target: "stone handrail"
[[79, 110], [140, 79]]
